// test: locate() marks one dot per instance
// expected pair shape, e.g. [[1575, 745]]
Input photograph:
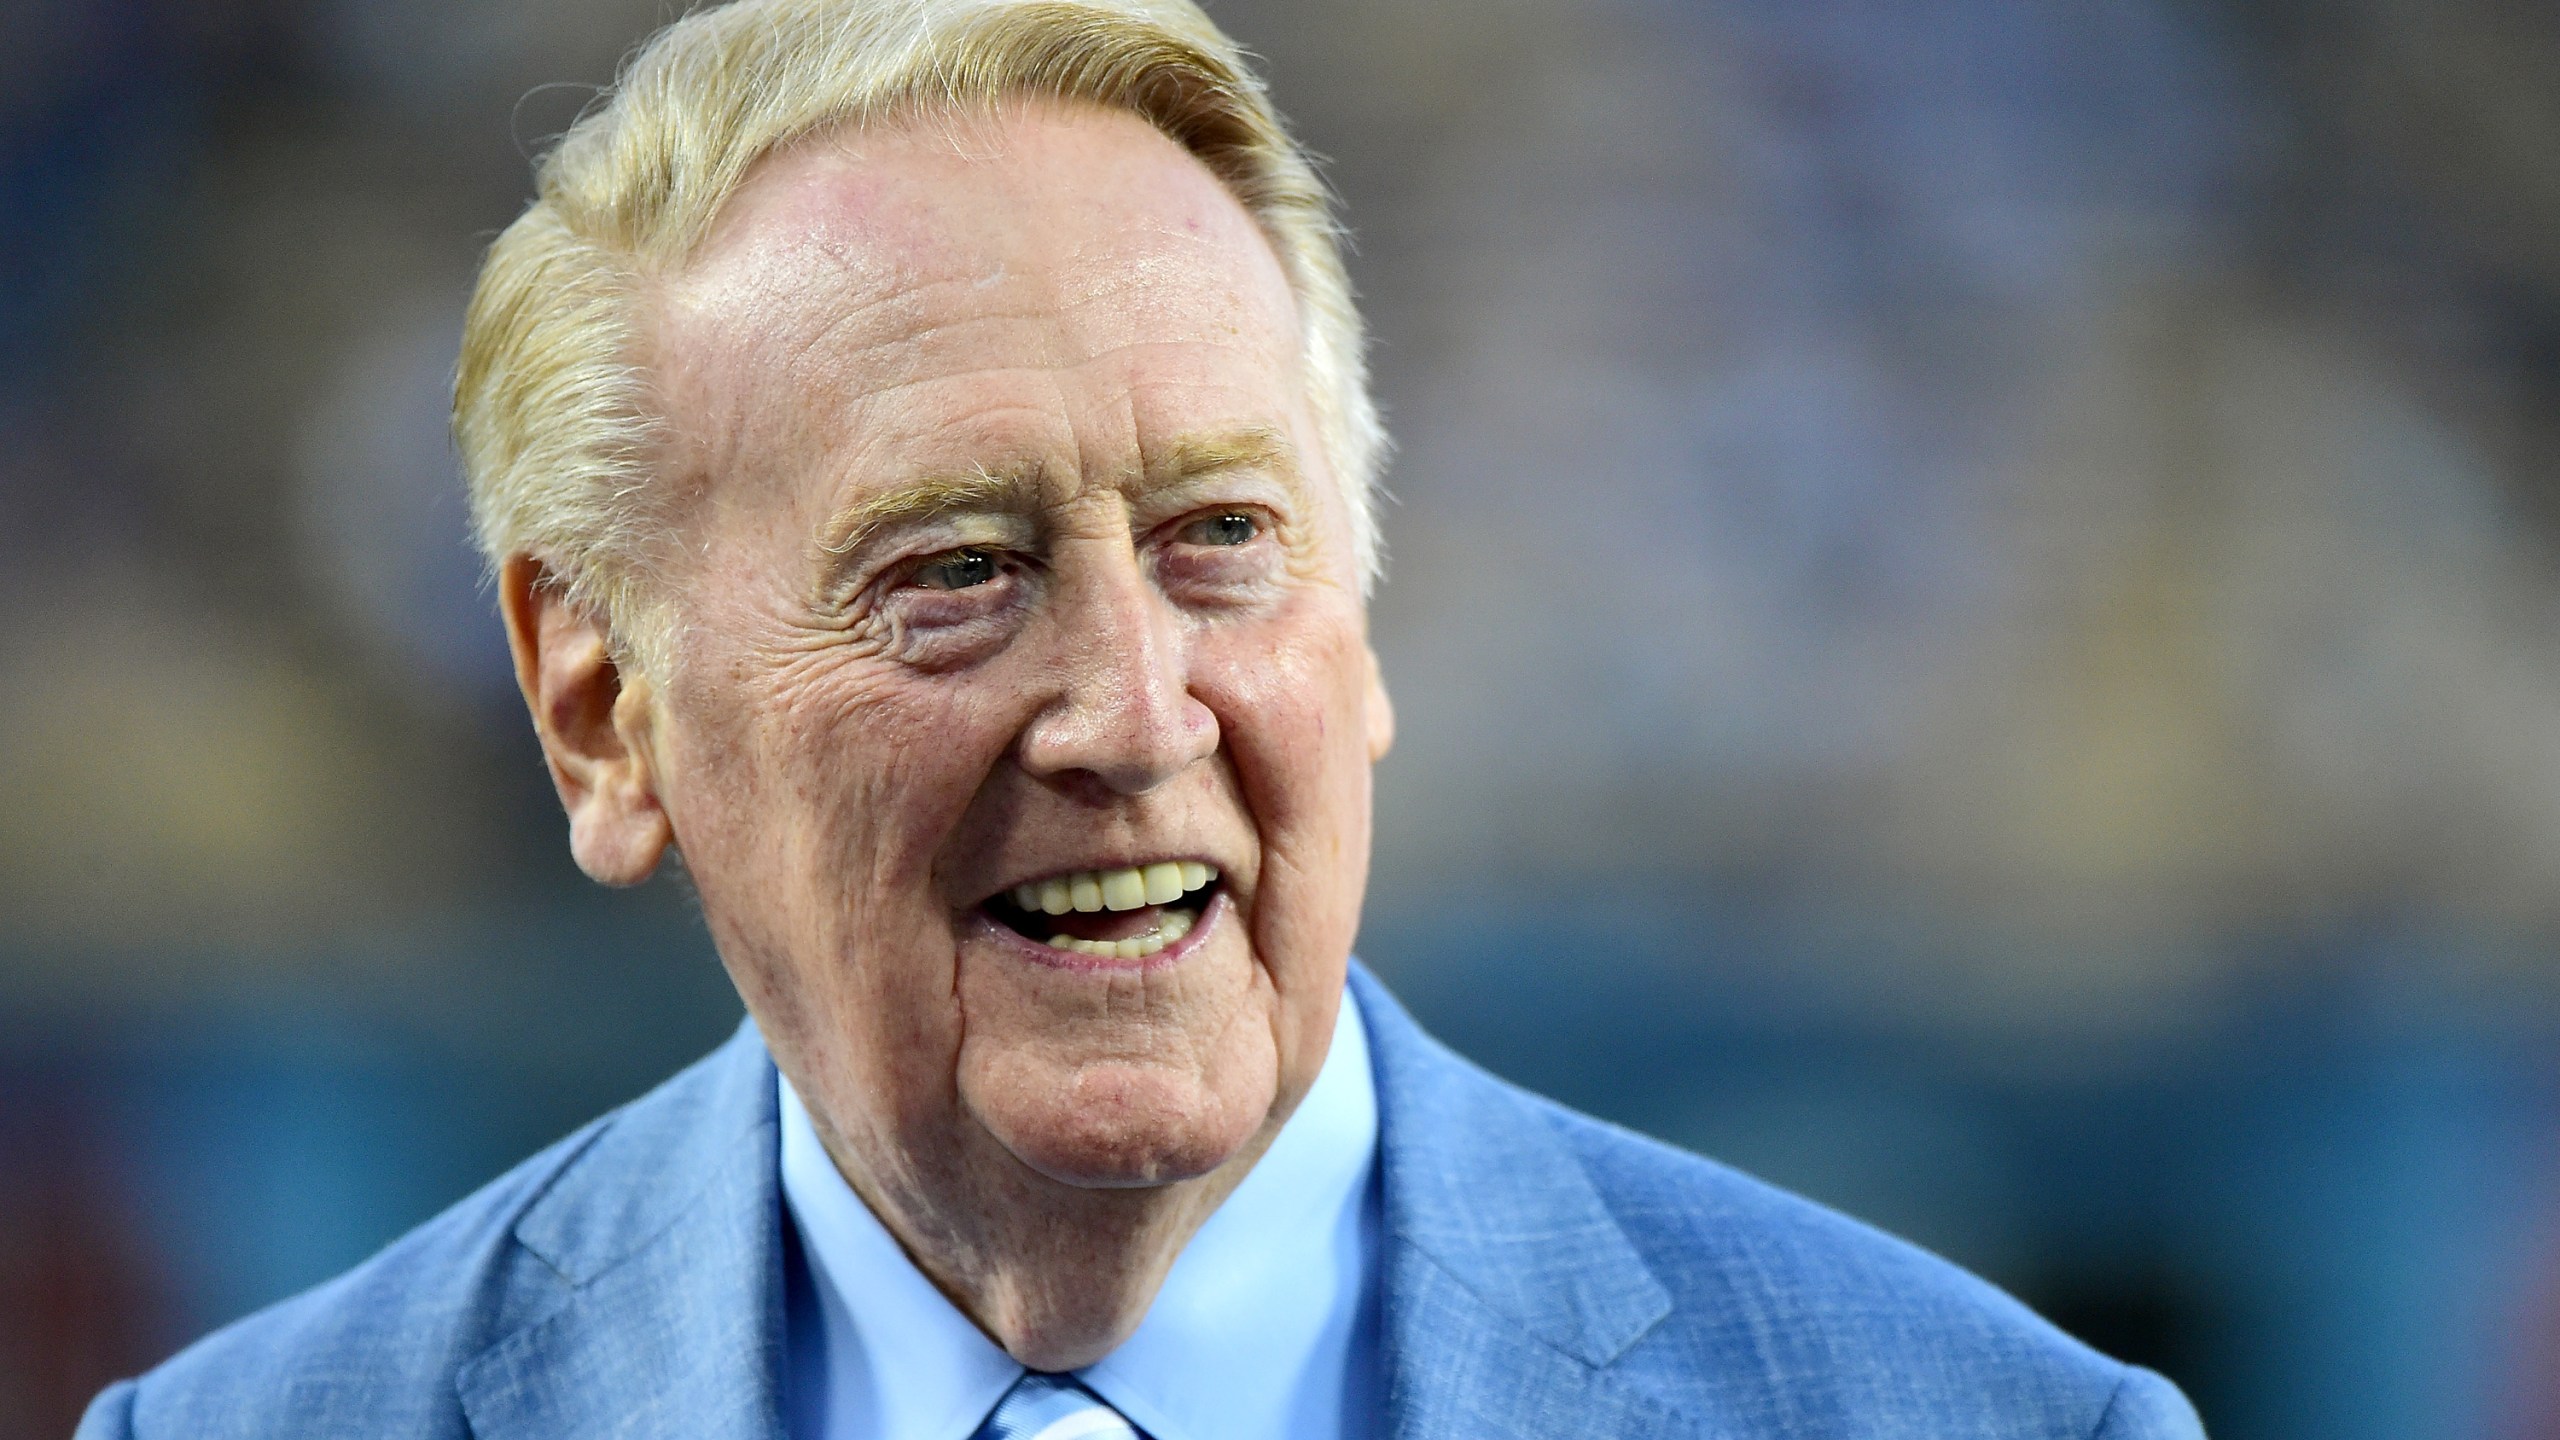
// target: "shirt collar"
[[875, 1349], [1264, 1328]]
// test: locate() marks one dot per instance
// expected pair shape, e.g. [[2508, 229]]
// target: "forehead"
[[895, 277]]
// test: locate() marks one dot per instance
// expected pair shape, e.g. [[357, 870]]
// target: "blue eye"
[[957, 570], [1232, 528]]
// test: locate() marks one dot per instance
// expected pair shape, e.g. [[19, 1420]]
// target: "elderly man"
[[924, 450]]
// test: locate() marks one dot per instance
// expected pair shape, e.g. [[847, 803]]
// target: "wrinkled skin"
[[1131, 631]]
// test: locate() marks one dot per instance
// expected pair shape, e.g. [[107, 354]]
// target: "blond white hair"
[[553, 408]]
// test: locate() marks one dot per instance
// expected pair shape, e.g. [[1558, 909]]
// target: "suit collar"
[[1508, 1286], [661, 1310]]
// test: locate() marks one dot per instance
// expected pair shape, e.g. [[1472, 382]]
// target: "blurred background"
[[1975, 607]]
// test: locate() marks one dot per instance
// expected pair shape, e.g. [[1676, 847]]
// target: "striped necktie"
[[1054, 1407]]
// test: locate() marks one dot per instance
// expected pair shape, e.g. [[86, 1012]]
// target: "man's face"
[[1014, 564]]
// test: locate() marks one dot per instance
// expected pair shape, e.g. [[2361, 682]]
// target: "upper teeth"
[[1090, 890]]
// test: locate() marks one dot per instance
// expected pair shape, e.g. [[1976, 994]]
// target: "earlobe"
[[1381, 713], [595, 722]]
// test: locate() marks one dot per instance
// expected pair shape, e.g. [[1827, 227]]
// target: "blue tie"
[[1041, 1406]]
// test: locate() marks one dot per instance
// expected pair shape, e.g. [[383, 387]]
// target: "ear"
[[594, 722], [1381, 713]]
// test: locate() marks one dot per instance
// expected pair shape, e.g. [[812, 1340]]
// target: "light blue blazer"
[[1544, 1274]]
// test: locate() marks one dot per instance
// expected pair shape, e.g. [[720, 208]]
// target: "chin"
[[1124, 1127]]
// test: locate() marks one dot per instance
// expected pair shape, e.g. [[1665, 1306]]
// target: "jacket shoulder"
[[369, 1352], [375, 1350], [1698, 1293], [1816, 1324]]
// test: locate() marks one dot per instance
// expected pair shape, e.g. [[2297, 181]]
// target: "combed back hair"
[[553, 406]]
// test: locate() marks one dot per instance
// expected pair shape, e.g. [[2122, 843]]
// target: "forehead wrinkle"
[[907, 339], [817, 336], [835, 326]]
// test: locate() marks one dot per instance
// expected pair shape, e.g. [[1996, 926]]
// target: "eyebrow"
[[1017, 491], [1257, 447], [849, 529]]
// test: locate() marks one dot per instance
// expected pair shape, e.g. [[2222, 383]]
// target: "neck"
[[1057, 1274]]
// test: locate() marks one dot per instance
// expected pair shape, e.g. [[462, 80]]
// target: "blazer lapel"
[[1508, 1288], [657, 1308]]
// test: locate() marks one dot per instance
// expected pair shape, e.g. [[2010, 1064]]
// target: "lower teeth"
[[1174, 925]]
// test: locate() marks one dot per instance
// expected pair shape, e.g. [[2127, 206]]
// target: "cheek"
[[837, 766], [815, 794], [1290, 700]]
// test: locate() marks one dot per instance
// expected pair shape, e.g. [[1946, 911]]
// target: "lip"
[[1079, 962]]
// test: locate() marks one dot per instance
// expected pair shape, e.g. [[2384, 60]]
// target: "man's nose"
[[1122, 715]]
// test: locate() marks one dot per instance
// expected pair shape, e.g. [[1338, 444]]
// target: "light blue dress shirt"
[[1266, 1329]]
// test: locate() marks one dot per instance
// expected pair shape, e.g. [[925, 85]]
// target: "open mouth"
[[1125, 914]]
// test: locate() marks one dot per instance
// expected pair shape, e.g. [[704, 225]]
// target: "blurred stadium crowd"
[[1972, 602]]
